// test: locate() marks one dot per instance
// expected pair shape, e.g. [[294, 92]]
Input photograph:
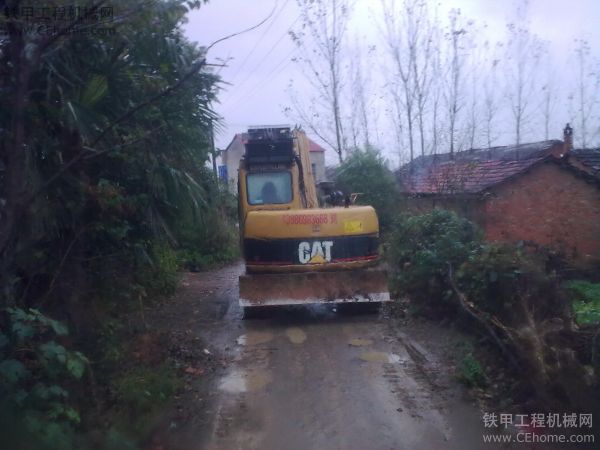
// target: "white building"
[[230, 160]]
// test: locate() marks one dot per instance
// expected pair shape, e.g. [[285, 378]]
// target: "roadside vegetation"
[[509, 296], [104, 197], [366, 173], [586, 301], [515, 300]]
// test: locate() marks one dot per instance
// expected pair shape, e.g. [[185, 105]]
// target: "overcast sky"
[[260, 67]]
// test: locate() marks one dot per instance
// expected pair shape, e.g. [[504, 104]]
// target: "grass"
[[586, 301], [142, 390], [469, 369]]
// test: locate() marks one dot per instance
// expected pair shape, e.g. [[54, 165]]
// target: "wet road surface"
[[313, 378]]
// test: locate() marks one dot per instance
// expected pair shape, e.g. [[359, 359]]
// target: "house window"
[[314, 169], [223, 173]]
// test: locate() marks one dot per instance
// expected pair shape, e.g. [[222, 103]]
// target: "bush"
[[159, 276], [143, 389], [586, 301], [512, 296], [367, 173], [421, 250], [212, 238], [140, 394], [36, 373], [469, 370], [502, 279]]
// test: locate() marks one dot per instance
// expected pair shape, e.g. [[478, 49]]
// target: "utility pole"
[[213, 151]]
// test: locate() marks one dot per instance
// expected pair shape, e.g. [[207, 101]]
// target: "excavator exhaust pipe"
[[348, 286]]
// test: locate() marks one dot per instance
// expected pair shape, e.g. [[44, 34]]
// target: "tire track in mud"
[[416, 385], [239, 422]]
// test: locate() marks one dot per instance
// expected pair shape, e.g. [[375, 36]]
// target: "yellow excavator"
[[295, 251]]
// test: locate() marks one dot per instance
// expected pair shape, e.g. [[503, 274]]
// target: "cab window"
[[269, 188]]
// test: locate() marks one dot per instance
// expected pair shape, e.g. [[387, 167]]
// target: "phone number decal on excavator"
[[309, 219]]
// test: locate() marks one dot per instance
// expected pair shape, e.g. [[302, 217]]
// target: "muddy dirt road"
[[313, 378]]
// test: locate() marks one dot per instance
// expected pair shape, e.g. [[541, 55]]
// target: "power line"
[[277, 68], [241, 66], [269, 52]]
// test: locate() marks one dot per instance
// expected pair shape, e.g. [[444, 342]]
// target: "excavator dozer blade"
[[348, 286]]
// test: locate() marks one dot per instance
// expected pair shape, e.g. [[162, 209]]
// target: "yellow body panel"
[[302, 148], [356, 220]]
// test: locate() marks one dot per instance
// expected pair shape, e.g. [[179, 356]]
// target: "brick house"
[[230, 160], [544, 192]]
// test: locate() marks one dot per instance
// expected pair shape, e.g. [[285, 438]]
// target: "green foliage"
[[161, 276], [490, 274], [143, 390], [367, 173], [494, 276], [215, 239], [104, 187], [469, 370], [35, 372], [110, 342], [584, 291], [422, 248], [503, 280], [508, 294], [109, 186], [586, 301]]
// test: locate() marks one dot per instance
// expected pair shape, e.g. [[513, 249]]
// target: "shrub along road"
[[309, 378]]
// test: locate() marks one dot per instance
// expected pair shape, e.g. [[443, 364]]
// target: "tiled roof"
[[589, 158], [471, 171], [314, 147]]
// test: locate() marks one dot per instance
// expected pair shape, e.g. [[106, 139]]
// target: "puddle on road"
[[235, 382], [359, 342], [254, 338], [238, 382], [295, 335], [380, 357], [257, 379]]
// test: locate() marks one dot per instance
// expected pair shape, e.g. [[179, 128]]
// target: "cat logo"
[[319, 252]]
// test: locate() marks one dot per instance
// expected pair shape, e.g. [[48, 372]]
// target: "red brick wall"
[[467, 207], [549, 205]]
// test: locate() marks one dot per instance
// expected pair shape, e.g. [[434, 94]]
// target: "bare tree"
[[437, 86], [396, 118], [309, 114], [420, 53], [523, 53], [453, 93], [548, 100], [475, 69], [321, 36], [587, 88], [490, 93], [400, 37], [359, 99]]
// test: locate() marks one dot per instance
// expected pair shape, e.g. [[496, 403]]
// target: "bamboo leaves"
[[94, 90]]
